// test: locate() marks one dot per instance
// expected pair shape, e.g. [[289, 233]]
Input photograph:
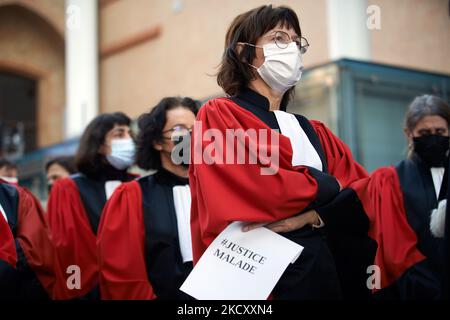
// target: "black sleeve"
[[344, 213], [328, 188], [9, 281], [28, 285], [346, 227], [419, 282]]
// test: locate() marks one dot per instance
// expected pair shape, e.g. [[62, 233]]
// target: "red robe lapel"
[[34, 238], [230, 192], [73, 238], [7, 245], [382, 200], [121, 237]]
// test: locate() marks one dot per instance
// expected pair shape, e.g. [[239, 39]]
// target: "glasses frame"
[[303, 47], [174, 130]]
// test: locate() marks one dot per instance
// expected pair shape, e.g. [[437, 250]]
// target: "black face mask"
[[432, 149]]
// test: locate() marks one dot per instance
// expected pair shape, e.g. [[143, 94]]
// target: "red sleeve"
[[7, 245], [121, 238], [223, 193], [382, 200], [339, 157], [73, 238], [34, 238]]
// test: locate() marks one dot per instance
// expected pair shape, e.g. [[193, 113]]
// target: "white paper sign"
[[241, 265]]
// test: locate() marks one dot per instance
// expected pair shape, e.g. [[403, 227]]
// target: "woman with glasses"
[[144, 239], [261, 64]]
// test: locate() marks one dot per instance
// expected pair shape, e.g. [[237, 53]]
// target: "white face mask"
[[282, 68], [11, 180], [122, 153]]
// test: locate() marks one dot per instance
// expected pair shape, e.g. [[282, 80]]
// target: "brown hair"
[[234, 72], [151, 125], [88, 160], [422, 106]]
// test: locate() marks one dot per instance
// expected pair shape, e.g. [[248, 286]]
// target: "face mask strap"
[[249, 44]]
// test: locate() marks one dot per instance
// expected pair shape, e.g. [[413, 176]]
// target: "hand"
[[286, 225]]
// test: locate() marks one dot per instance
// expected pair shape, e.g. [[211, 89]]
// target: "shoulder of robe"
[[9, 190], [215, 105], [26, 197], [64, 184], [320, 127], [127, 188], [384, 173]]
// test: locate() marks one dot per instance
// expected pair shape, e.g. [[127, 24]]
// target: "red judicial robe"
[[7, 246], [73, 238], [74, 209], [122, 254], [399, 216], [225, 193], [138, 244], [33, 243]]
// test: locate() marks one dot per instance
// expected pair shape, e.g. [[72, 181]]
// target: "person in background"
[[59, 167], [407, 206], [27, 254], [144, 239], [75, 205], [8, 172]]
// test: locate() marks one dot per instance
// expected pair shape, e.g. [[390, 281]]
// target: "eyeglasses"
[[282, 40], [177, 130]]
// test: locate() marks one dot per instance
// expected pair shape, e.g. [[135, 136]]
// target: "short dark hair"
[[67, 162], [151, 125], [234, 72], [88, 160], [8, 164]]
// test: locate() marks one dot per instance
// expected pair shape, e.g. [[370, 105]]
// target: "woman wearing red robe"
[[406, 205], [261, 64], [75, 204], [144, 239], [27, 264]]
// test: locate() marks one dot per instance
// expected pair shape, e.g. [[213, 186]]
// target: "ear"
[[103, 150], [407, 132], [239, 47], [408, 135], [157, 145]]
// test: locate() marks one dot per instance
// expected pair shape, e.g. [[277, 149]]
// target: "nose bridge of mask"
[[122, 146], [272, 51], [287, 60]]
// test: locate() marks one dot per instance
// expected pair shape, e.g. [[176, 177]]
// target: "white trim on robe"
[[303, 151], [438, 175], [182, 202], [3, 213], [110, 187]]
